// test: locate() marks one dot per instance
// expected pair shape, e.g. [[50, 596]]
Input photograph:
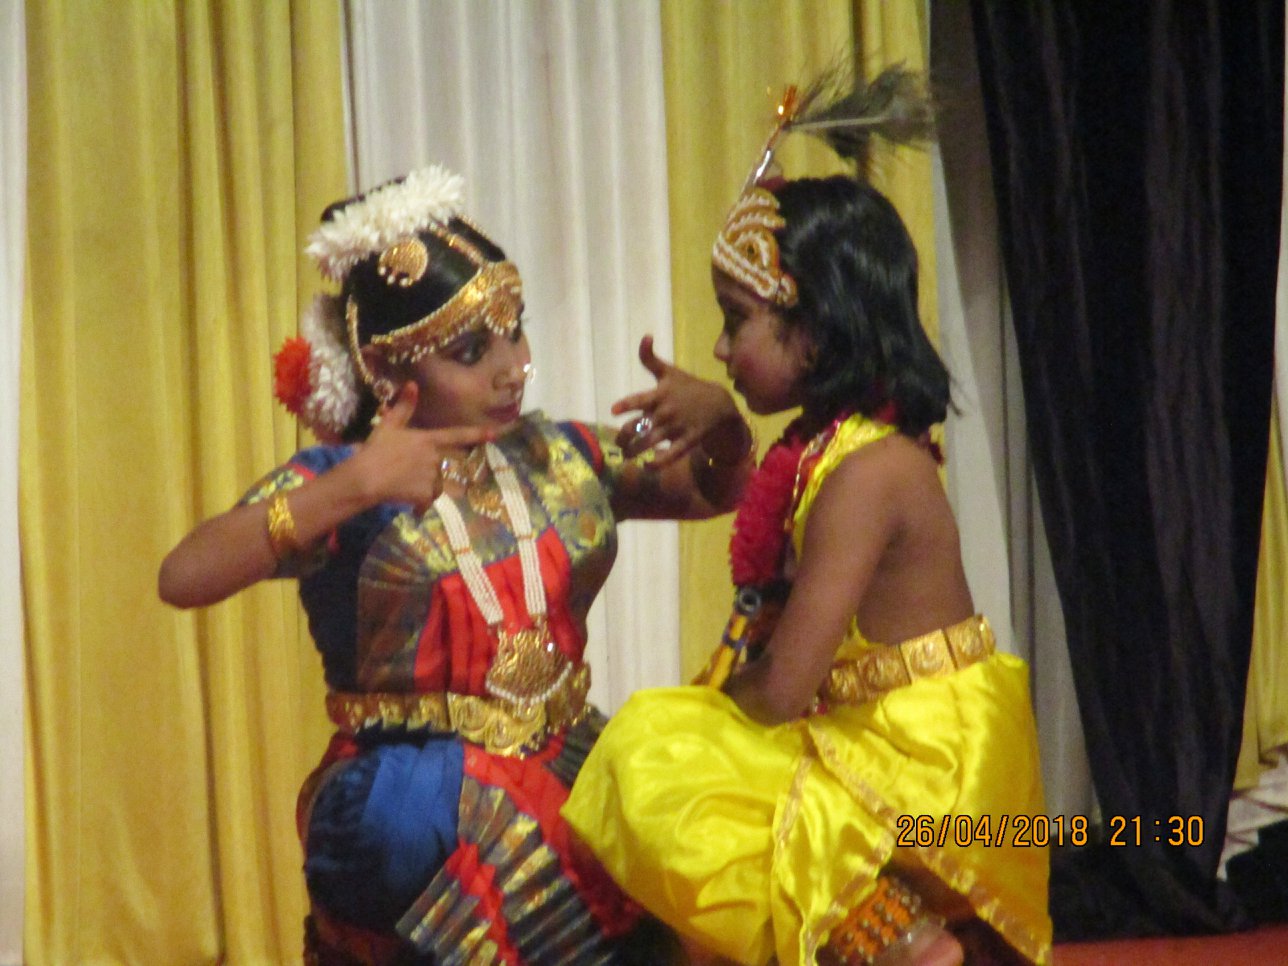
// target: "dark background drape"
[[1137, 161]]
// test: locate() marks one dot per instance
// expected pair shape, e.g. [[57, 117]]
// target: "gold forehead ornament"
[[403, 263], [492, 299]]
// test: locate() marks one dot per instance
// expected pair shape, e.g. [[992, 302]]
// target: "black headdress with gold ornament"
[[381, 248]]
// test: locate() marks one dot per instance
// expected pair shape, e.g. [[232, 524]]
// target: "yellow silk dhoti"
[[755, 841]]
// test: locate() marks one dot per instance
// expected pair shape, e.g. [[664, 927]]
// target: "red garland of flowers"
[[759, 538], [292, 384], [760, 528]]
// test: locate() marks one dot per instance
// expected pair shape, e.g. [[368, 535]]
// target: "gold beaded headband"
[[491, 299], [391, 223], [746, 248], [843, 110]]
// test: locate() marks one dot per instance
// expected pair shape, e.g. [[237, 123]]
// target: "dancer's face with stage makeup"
[[477, 379], [766, 359]]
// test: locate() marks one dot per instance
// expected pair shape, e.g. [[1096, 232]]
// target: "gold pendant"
[[484, 500], [528, 667]]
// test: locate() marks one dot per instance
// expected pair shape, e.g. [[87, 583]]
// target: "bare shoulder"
[[893, 489], [895, 467], [878, 492]]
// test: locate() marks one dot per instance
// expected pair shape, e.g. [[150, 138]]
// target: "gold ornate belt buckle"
[[499, 725]]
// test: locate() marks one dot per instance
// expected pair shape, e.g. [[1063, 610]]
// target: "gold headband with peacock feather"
[[894, 105]]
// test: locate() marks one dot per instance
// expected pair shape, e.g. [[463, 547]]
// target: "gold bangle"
[[281, 527], [711, 463]]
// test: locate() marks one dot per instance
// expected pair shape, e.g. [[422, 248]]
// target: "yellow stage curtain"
[[1265, 712], [725, 66], [899, 33], [178, 154]]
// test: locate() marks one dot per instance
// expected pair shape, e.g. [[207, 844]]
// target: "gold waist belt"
[[883, 669], [501, 726]]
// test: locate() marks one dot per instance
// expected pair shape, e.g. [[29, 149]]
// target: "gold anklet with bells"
[[886, 921]]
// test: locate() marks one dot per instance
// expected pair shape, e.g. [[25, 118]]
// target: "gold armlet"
[[281, 528]]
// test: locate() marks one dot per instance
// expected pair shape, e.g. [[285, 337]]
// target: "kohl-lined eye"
[[468, 349]]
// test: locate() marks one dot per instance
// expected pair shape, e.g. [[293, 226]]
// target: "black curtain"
[[1137, 160]]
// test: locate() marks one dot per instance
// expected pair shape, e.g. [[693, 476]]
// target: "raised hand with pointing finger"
[[405, 464], [680, 414]]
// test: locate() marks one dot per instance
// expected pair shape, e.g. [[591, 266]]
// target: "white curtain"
[[990, 478], [553, 112], [13, 196]]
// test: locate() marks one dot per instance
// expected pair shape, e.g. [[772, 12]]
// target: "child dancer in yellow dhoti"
[[834, 799]]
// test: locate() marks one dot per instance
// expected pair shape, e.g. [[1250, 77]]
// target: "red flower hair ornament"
[[313, 373], [291, 383]]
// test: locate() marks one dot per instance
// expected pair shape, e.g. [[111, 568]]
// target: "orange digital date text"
[[1017, 831], [1039, 831]]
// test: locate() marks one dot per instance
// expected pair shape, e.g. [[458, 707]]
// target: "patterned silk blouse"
[[446, 749]]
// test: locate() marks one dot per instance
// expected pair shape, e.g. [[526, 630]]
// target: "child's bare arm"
[[853, 519], [231, 551]]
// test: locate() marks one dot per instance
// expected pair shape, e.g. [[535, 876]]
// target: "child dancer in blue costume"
[[833, 799], [447, 557]]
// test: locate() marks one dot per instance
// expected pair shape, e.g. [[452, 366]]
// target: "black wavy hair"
[[856, 272]]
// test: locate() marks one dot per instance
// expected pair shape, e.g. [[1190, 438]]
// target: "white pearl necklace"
[[481, 589]]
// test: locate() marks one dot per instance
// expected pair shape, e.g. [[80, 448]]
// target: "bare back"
[[880, 544], [919, 583]]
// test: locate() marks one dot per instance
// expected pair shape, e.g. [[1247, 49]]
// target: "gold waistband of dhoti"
[[884, 668], [501, 726]]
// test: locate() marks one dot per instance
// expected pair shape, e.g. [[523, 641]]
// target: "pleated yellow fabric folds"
[[179, 152], [1265, 714], [755, 841]]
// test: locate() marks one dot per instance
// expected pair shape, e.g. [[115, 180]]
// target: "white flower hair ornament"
[[316, 374], [383, 217]]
